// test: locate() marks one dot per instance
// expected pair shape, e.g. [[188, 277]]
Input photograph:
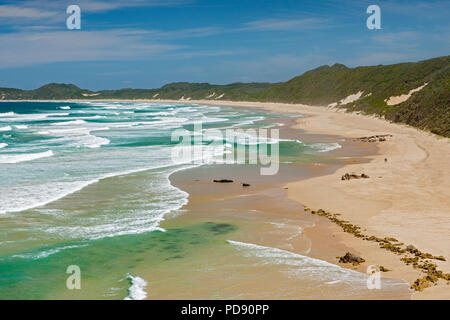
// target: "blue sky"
[[145, 44]]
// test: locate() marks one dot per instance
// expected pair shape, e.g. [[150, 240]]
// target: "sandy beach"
[[406, 196]]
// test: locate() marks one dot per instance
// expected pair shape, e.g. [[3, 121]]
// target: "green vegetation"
[[428, 109]]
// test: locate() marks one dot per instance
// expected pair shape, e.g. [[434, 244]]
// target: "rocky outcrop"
[[376, 138], [409, 254]]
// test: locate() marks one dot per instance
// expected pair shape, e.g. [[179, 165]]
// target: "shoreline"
[[265, 217], [266, 202], [405, 196]]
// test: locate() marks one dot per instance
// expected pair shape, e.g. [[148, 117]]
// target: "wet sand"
[[266, 216]]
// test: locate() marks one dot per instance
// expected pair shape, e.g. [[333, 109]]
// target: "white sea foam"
[[4, 129], [79, 137], [13, 117], [65, 107], [242, 137], [301, 266], [91, 141], [290, 230], [304, 267], [7, 114], [58, 114], [46, 253], [101, 129], [28, 197], [171, 198], [58, 132], [136, 291], [16, 158], [325, 147], [3, 145], [21, 126], [67, 123]]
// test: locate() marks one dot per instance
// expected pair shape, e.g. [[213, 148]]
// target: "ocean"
[[87, 184]]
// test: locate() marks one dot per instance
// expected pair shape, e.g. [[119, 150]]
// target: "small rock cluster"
[[376, 138], [350, 176], [410, 254]]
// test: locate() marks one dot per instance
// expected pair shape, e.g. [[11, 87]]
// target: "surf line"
[[194, 310]]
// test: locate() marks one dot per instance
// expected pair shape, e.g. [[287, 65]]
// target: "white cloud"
[[11, 11], [29, 48], [51, 11], [101, 6], [273, 24]]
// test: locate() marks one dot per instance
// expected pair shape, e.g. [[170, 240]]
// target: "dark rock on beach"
[[379, 138], [350, 176], [411, 249], [223, 180], [383, 269], [351, 258]]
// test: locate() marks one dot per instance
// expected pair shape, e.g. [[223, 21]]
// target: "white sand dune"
[[394, 100], [351, 98]]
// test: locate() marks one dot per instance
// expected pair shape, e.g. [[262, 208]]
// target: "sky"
[[149, 43]]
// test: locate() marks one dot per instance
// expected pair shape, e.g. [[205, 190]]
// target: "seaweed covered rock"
[[411, 249], [376, 138], [351, 258], [424, 282], [410, 255]]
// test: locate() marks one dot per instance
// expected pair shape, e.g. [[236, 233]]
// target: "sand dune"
[[392, 101]]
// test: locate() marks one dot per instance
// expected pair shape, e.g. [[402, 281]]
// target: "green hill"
[[427, 109], [178, 90], [51, 91]]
